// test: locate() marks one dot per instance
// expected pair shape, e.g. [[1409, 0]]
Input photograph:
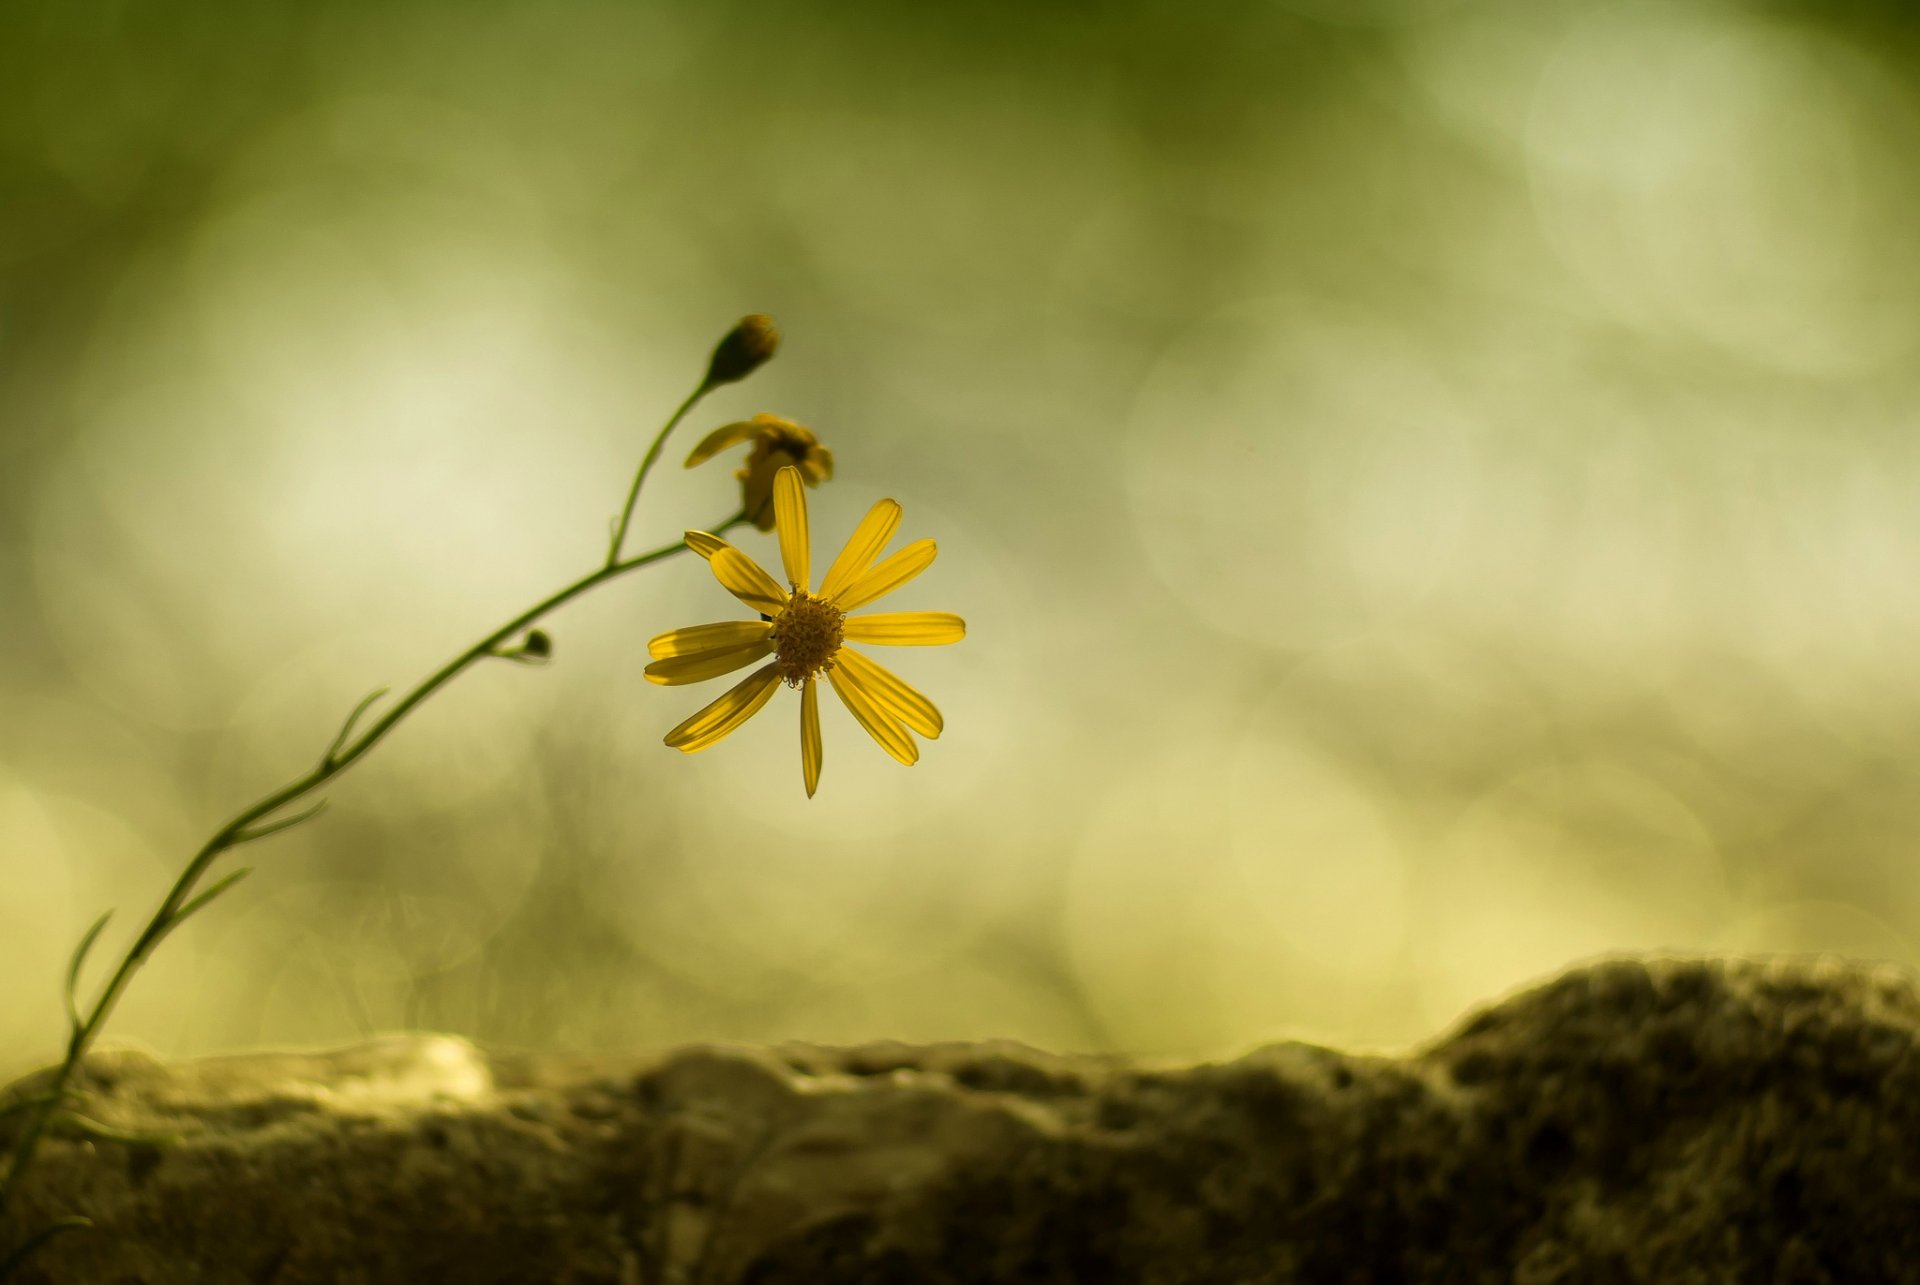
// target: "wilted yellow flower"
[[777, 443], [806, 634]]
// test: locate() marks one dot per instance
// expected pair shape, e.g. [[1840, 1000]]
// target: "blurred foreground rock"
[[1671, 1121]]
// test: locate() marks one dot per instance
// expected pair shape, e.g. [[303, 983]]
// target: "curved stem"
[[646, 466], [340, 756]]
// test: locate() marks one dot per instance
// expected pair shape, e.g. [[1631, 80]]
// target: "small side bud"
[[535, 649], [747, 347]]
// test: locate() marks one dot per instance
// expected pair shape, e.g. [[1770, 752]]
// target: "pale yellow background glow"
[[1434, 489]]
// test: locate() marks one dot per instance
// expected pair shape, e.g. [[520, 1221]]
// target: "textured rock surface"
[[1671, 1121]]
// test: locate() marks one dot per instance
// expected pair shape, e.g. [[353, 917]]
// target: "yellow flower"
[[777, 444], [806, 634]]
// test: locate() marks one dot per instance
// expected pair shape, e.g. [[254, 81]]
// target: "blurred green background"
[[1433, 487]]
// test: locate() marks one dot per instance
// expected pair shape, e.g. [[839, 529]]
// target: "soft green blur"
[[1433, 487]]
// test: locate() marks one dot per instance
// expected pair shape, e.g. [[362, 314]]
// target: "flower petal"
[[880, 725], [756, 493], [905, 628], [739, 704], [702, 665], [719, 440], [728, 633], [744, 579], [862, 547], [888, 576], [790, 518], [810, 756], [706, 545], [891, 693]]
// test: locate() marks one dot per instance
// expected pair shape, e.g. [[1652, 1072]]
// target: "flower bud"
[[747, 347], [536, 648]]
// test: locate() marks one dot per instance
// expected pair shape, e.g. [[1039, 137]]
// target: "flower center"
[[806, 636]]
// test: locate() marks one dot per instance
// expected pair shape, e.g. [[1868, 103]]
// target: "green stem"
[[236, 831], [646, 466]]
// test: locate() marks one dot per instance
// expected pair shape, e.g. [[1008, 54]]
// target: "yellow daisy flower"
[[777, 443], [806, 634]]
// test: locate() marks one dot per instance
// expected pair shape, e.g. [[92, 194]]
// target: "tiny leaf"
[[75, 964]]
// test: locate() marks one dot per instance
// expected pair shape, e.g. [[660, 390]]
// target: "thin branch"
[[346, 728], [484, 648], [252, 833], [74, 966], [181, 915], [180, 903], [646, 466]]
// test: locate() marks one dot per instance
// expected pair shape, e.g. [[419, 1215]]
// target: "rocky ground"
[[1634, 1120]]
